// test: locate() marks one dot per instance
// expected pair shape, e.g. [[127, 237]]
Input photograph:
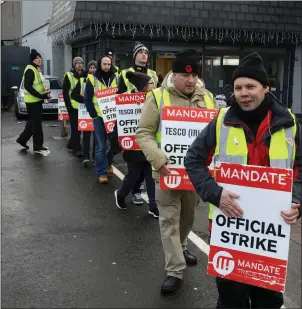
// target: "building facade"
[[34, 31], [223, 33], [11, 20], [26, 23]]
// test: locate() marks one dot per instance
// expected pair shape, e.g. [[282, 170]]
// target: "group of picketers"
[[80, 88], [254, 115]]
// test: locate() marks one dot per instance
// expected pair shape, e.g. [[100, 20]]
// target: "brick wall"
[[260, 15]]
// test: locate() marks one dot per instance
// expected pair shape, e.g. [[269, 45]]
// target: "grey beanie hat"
[[76, 59], [92, 62]]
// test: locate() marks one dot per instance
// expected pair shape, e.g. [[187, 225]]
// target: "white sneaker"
[[137, 199], [44, 153]]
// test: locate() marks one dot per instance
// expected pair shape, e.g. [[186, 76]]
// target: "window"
[[54, 83], [48, 67]]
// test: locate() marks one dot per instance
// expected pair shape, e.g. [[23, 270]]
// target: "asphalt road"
[[66, 245]]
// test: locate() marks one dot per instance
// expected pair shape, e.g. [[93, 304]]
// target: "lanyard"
[[105, 83]]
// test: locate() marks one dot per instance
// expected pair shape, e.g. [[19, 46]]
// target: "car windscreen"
[[54, 83]]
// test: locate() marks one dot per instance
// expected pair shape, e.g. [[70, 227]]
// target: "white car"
[[50, 107]]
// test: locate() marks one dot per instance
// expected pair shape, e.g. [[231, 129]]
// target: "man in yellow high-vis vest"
[[104, 77], [71, 79], [181, 87], [34, 96], [77, 95], [140, 58], [255, 130]]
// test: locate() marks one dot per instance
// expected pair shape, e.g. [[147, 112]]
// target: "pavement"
[[66, 245]]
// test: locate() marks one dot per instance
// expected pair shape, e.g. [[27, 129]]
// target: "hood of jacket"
[[197, 96]]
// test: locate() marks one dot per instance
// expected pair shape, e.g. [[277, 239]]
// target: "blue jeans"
[[101, 157]]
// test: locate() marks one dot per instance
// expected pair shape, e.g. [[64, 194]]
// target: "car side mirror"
[[14, 87]]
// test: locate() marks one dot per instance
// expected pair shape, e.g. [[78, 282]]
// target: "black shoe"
[[190, 258], [170, 285], [77, 153], [120, 202], [86, 161], [154, 212], [22, 143]]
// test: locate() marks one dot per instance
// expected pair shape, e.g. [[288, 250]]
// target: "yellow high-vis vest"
[[97, 85], [73, 82], [131, 87], [37, 85], [162, 98], [282, 148], [83, 85]]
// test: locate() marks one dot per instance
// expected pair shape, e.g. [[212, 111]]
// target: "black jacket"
[[128, 155], [29, 78], [66, 88], [201, 151]]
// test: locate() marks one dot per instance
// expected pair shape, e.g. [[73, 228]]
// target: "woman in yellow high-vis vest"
[[34, 96], [139, 169], [103, 78], [255, 130]]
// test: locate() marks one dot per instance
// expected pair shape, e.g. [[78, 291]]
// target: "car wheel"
[[18, 115]]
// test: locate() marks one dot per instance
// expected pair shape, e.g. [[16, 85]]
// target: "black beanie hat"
[[139, 80], [109, 53], [187, 61], [252, 66], [33, 55]]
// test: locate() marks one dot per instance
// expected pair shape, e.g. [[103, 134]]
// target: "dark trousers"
[[33, 127], [74, 142], [239, 295], [137, 172]]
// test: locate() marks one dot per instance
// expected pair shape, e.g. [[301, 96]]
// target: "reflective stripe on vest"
[[97, 85], [83, 85], [73, 82], [37, 85], [130, 87], [231, 146]]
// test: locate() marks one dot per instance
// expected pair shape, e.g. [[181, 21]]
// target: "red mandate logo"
[[223, 263], [173, 181], [61, 117], [110, 127], [127, 142], [83, 124]]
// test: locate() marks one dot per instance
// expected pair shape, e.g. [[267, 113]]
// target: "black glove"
[[45, 96]]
